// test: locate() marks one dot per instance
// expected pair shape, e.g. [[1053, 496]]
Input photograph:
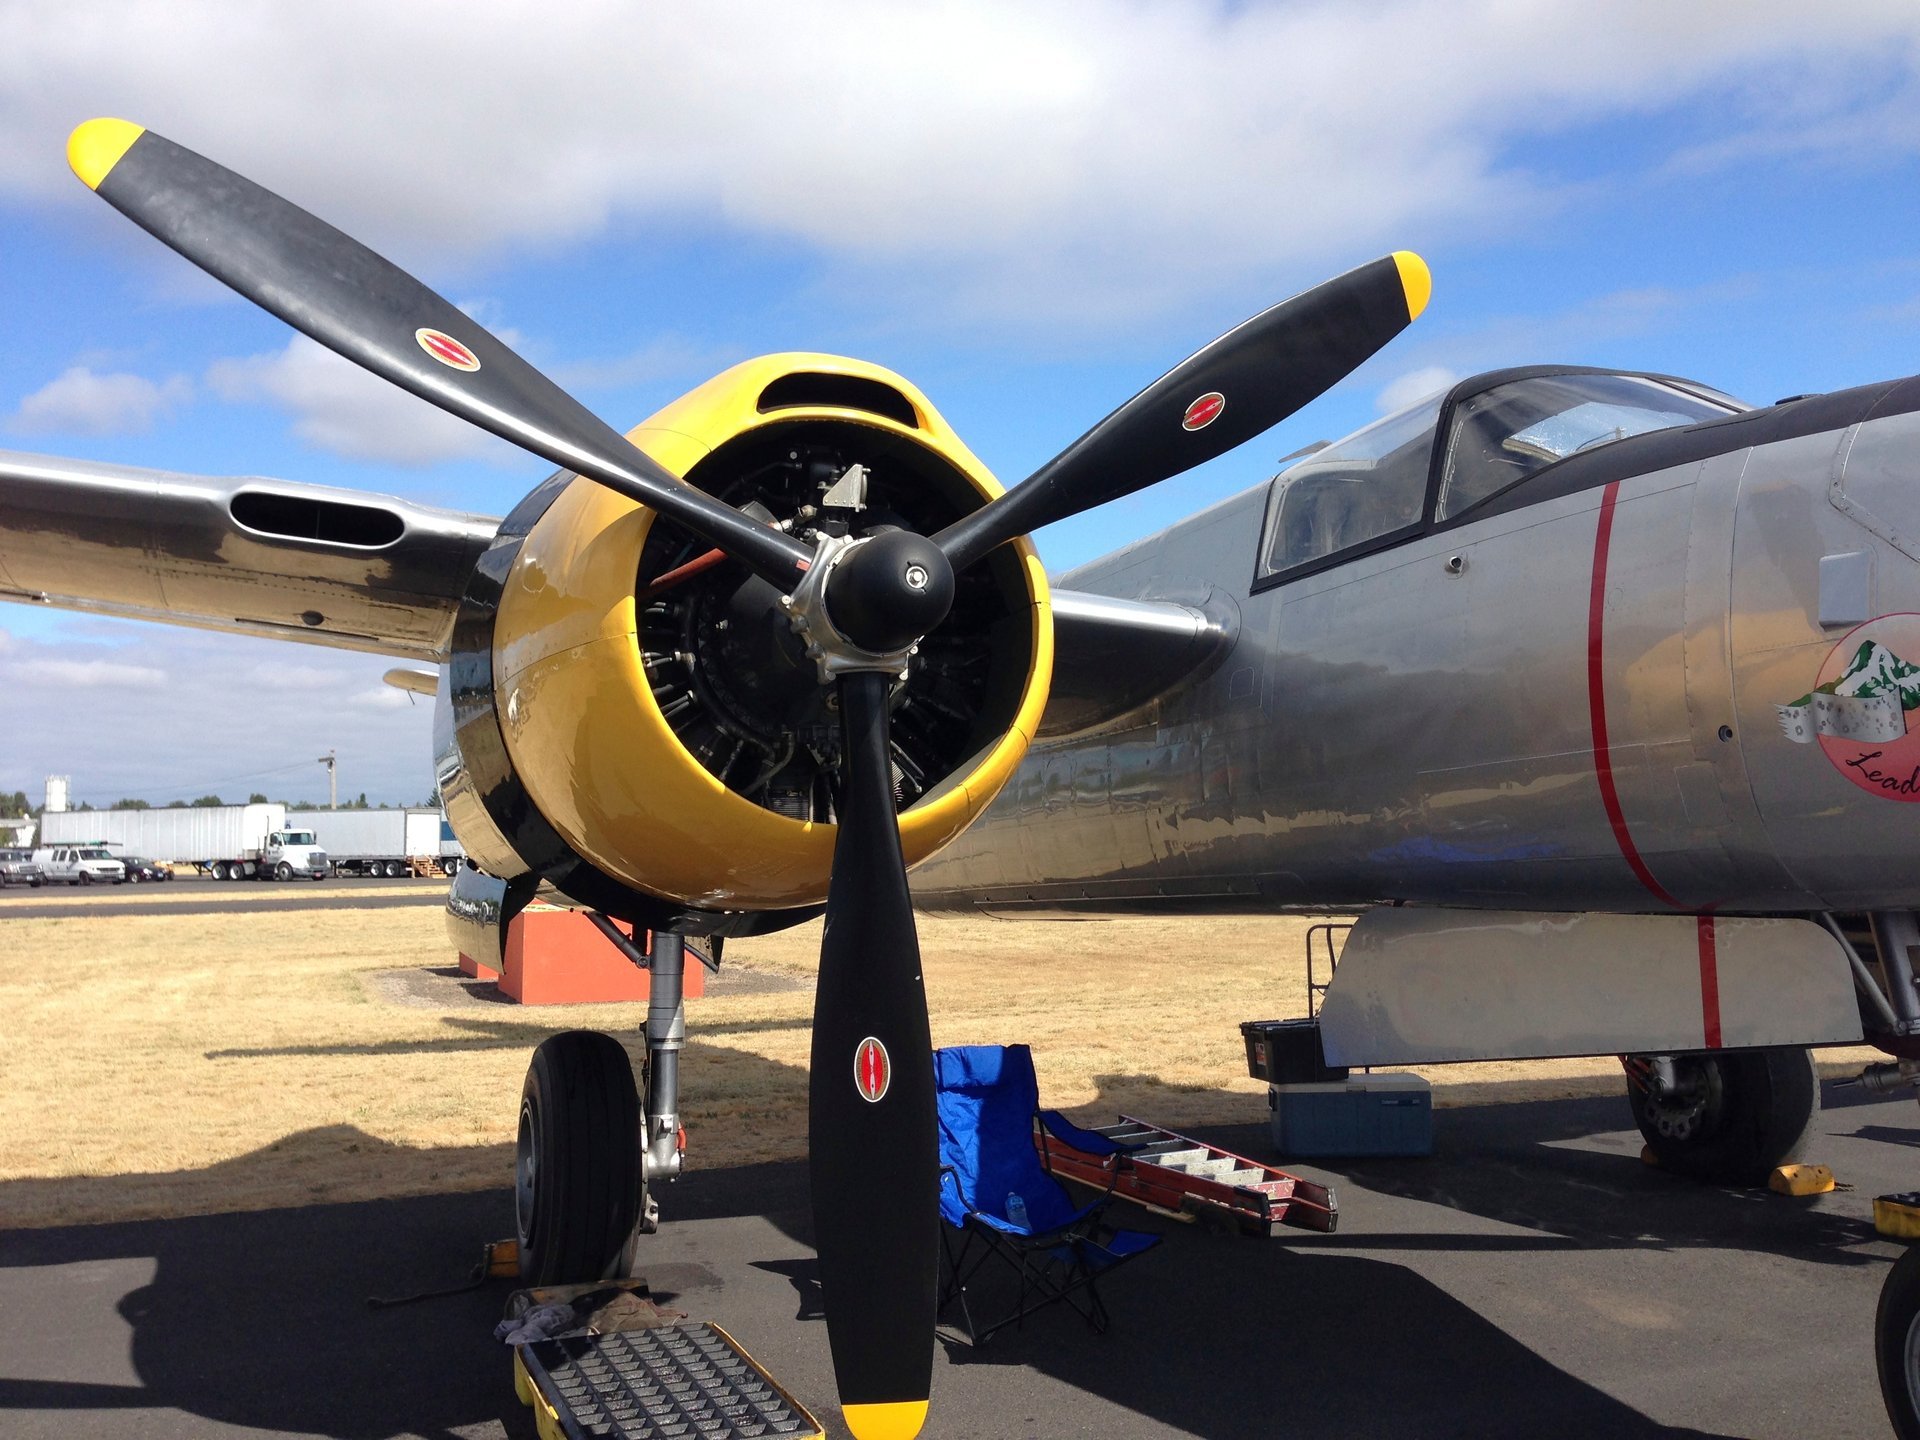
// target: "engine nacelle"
[[641, 726]]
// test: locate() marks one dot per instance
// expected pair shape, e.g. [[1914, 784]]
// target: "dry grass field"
[[188, 1064]]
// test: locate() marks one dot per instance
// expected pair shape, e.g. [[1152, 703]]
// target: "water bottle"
[[1017, 1209]]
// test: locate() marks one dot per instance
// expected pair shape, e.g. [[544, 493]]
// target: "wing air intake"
[[303, 517]]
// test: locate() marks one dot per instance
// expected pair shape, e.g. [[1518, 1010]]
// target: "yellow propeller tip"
[[96, 147], [1416, 280], [898, 1420]]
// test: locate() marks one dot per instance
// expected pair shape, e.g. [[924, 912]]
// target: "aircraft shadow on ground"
[[1224, 1338], [259, 1319], [1219, 1336]]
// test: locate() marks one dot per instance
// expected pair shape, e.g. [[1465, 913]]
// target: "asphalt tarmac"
[[1531, 1278], [213, 897]]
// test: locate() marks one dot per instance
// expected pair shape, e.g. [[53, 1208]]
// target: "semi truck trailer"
[[414, 841]]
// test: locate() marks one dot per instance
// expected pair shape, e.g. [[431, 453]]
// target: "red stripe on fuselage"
[[1597, 702], [1709, 982]]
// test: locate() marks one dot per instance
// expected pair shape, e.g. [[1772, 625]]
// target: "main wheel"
[[576, 1172], [1896, 1344], [1733, 1116]]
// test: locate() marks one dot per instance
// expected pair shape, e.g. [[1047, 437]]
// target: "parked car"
[[139, 869], [17, 868]]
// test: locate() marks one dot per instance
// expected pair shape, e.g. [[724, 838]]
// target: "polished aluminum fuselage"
[[1422, 723]]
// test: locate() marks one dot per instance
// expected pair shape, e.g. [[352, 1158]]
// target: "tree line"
[[17, 807]]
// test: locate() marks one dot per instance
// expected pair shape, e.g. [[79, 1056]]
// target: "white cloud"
[[88, 674], [85, 403], [1412, 386], [340, 408], [382, 697], [162, 713], [1056, 161], [285, 675]]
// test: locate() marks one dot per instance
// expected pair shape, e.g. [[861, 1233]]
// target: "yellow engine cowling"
[[576, 706]]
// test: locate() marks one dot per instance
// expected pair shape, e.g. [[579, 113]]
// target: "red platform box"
[[558, 957]]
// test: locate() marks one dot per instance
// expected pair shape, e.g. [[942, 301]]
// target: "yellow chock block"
[[1647, 1157], [1800, 1180], [1898, 1216], [503, 1258]]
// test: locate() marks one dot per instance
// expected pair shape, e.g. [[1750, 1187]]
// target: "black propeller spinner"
[[873, 1139]]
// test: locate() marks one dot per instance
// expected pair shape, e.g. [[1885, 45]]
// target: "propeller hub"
[[883, 593]]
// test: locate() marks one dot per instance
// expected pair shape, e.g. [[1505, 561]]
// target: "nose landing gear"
[[586, 1154]]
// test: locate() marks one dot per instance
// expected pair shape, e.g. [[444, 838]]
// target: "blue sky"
[[1030, 213]]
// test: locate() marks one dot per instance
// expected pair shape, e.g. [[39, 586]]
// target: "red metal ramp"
[[1192, 1180]]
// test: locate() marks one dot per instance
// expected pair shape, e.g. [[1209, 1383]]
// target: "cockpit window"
[[1508, 432], [1371, 484]]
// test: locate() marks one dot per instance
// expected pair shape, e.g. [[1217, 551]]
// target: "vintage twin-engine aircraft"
[[776, 645], [1589, 687]]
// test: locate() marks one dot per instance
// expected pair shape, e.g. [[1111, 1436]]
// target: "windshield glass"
[[91, 854], [299, 837], [1370, 484], [1508, 432]]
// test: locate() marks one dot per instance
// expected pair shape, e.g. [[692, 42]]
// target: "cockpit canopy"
[[1436, 460]]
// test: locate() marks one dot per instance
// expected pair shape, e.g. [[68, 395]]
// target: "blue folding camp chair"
[[998, 1199]]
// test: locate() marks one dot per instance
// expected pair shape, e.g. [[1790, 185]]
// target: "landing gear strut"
[[1726, 1117], [587, 1156]]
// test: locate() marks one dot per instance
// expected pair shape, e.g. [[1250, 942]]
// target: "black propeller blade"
[[1248, 380], [332, 288], [874, 1148]]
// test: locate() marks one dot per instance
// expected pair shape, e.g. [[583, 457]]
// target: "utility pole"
[[333, 780]]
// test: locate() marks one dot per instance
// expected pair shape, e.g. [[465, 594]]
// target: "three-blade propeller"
[[873, 1139]]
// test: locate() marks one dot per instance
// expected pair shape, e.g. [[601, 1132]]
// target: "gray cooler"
[[1385, 1114]]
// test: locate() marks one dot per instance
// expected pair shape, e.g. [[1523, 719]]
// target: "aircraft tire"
[[1896, 1344], [577, 1175], [1747, 1111]]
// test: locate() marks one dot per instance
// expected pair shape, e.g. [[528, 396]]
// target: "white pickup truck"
[[79, 865]]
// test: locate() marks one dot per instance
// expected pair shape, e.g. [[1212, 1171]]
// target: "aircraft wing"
[[359, 571], [261, 557], [1113, 656]]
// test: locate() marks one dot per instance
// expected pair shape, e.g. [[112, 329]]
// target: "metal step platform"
[[686, 1381], [1192, 1180]]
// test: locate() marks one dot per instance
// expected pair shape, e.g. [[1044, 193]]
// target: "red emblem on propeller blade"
[[872, 1070], [447, 350], [1204, 411]]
